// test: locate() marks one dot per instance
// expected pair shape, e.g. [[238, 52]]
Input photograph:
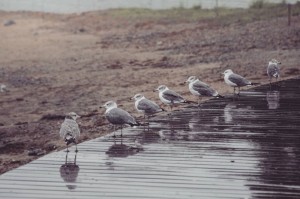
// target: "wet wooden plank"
[[237, 147]]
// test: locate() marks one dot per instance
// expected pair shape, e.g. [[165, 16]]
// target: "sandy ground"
[[54, 64]]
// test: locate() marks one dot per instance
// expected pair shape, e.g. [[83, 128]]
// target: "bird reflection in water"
[[228, 112], [69, 172], [273, 98], [122, 150]]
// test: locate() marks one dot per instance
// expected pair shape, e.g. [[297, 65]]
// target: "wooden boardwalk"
[[245, 147]]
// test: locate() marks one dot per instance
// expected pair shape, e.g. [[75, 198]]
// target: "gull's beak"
[[101, 106], [131, 98], [155, 90], [279, 62], [78, 116]]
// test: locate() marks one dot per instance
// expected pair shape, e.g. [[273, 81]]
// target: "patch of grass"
[[257, 4], [175, 14], [259, 10], [198, 7]]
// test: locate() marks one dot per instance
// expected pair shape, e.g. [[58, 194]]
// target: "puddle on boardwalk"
[[237, 147]]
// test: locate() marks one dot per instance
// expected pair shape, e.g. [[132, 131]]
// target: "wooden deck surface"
[[245, 147]]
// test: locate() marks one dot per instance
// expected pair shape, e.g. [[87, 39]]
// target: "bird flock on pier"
[[118, 117]]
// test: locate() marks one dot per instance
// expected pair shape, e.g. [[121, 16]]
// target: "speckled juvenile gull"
[[169, 97], [69, 129], [235, 80], [201, 89], [273, 69], [146, 106], [117, 116]]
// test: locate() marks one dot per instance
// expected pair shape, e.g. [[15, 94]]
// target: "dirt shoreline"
[[54, 64]]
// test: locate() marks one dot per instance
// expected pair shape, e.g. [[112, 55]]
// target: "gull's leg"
[[233, 90], [67, 148], [114, 136], [170, 110], [76, 150], [121, 131], [75, 158], [199, 101], [239, 90], [148, 120], [277, 83], [66, 160]]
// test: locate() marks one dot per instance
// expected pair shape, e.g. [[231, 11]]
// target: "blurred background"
[[71, 6]]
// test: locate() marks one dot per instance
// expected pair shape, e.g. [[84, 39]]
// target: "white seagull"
[[170, 97], [235, 80], [273, 69], [146, 106], [117, 116], [201, 89], [69, 129]]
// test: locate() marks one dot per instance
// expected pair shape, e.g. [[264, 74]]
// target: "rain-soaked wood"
[[245, 146]]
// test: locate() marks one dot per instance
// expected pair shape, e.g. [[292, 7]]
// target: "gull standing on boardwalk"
[[235, 80], [117, 116], [69, 129], [146, 106], [201, 89], [169, 97], [273, 69]]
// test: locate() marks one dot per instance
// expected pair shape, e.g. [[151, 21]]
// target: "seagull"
[[117, 116], [170, 97], [273, 69], [146, 106], [235, 80], [201, 89], [3, 88], [69, 129]]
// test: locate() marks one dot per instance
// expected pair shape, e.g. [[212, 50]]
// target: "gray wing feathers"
[[204, 89], [239, 80], [148, 106], [172, 96], [69, 128], [273, 70], [119, 116]]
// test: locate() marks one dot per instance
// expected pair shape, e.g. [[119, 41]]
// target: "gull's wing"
[[238, 80], [69, 128], [204, 89], [148, 106], [119, 116], [172, 96], [273, 70]]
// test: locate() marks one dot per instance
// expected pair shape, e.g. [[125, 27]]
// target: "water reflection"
[[69, 172], [228, 113], [150, 136], [273, 98], [122, 150]]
